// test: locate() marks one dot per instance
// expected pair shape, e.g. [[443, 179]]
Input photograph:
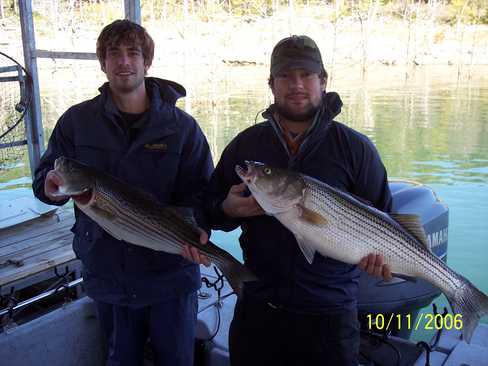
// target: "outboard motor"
[[399, 296]]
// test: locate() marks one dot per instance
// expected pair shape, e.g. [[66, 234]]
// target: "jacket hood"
[[331, 106], [168, 90]]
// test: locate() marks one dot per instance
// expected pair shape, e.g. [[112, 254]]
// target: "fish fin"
[[102, 213], [412, 224], [107, 216], [185, 213], [312, 217], [404, 277], [118, 237], [471, 304], [307, 250], [236, 274], [392, 282]]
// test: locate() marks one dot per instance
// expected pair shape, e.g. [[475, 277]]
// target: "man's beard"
[[302, 117], [127, 88]]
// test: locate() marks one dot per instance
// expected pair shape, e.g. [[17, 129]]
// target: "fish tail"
[[471, 304], [236, 273]]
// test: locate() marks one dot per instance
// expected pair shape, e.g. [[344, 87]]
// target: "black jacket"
[[168, 157], [332, 153]]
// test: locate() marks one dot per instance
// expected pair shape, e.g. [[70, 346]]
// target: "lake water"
[[429, 126]]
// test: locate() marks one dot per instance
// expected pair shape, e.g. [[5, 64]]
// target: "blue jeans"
[[170, 327]]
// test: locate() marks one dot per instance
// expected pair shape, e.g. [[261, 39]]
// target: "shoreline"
[[249, 40]]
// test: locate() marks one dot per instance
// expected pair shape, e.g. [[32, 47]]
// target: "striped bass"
[[337, 225], [136, 217]]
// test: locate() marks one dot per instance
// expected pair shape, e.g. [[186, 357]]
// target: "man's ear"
[[102, 65], [270, 84], [272, 89], [323, 83]]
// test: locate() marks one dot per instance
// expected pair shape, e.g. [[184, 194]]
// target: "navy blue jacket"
[[168, 158], [332, 153]]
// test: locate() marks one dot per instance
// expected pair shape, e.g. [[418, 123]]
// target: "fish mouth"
[[246, 173], [83, 198], [242, 173], [80, 196], [66, 170]]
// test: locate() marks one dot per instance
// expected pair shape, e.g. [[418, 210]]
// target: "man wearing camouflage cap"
[[298, 313]]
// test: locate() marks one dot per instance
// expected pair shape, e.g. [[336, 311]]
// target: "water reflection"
[[428, 126]]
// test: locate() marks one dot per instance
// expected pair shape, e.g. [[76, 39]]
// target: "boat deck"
[[35, 248]]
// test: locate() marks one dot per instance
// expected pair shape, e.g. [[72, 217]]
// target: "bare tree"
[[291, 16], [151, 11], [408, 11], [460, 28], [164, 11], [366, 18], [432, 5], [335, 19], [479, 9]]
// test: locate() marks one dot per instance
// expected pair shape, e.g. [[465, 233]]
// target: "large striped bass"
[[136, 217], [335, 224]]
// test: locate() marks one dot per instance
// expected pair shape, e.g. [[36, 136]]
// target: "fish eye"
[[267, 171]]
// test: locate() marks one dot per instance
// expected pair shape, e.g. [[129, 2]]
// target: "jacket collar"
[[160, 90], [163, 93]]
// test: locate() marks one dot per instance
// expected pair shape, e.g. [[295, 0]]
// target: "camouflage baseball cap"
[[299, 52]]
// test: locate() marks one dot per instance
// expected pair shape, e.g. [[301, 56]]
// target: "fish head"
[[276, 190], [78, 180]]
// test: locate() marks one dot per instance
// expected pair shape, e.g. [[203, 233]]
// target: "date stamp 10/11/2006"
[[379, 322]]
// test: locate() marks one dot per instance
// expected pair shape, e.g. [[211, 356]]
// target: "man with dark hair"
[[298, 313], [134, 131]]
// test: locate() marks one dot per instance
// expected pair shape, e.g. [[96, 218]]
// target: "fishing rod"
[[79, 281], [40, 297]]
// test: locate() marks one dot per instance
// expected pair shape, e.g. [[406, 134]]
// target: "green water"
[[429, 126]]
